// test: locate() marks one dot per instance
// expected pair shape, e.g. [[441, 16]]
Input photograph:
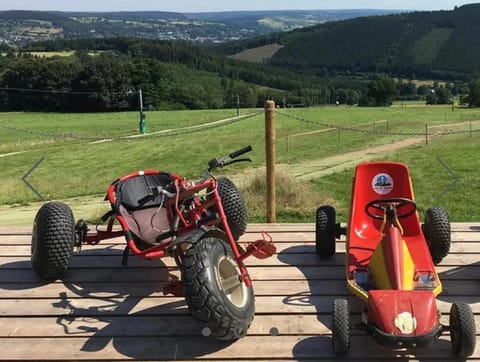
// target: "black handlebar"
[[226, 160], [240, 152]]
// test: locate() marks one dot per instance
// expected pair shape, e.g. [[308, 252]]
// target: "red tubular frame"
[[187, 219]]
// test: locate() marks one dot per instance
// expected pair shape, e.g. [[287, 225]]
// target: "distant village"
[[20, 32]]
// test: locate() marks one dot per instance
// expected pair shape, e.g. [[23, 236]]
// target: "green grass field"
[[76, 164]]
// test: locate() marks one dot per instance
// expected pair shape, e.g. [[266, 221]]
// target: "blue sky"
[[222, 5]]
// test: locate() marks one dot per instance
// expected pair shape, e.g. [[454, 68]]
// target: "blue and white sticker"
[[382, 183]]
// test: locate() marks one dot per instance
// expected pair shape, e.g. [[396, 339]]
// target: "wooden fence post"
[[270, 160]]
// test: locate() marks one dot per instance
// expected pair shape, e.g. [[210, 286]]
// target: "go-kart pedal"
[[262, 248], [173, 287]]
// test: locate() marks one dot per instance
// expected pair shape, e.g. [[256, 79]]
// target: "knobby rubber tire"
[[221, 315], [325, 231], [53, 240], [233, 206], [462, 329], [340, 327], [436, 230]]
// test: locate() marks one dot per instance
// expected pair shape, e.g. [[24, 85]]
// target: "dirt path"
[[317, 168], [311, 169], [11, 154]]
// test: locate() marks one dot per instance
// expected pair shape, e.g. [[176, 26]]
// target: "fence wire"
[[160, 134], [381, 132]]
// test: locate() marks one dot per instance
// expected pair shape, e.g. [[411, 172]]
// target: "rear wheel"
[[340, 327], [233, 206], [214, 291], [462, 329], [436, 230], [53, 239], [325, 231]]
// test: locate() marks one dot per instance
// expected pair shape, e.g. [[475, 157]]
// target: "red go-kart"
[[390, 263], [162, 214]]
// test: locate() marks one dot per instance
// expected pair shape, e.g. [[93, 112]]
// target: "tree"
[[439, 95], [38, 83], [474, 95], [382, 90], [106, 81], [347, 96], [406, 88]]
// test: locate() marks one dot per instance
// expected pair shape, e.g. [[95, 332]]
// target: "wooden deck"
[[103, 311]]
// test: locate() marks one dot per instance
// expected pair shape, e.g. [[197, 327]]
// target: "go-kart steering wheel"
[[396, 203]]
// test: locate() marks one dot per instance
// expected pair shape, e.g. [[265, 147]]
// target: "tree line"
[[106, 75]]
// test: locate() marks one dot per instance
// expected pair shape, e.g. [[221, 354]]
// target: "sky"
[[225, 5]]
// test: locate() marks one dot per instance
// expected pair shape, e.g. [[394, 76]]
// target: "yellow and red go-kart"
[[390, 263]]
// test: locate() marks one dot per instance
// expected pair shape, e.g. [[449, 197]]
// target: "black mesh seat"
[[146, 221], [129, 192]]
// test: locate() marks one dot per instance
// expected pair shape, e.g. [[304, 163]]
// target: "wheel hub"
[[230, 281]]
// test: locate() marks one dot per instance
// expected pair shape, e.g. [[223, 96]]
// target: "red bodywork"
[[388, 263]]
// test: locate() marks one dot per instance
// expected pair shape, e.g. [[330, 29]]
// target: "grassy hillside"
[[259, 54], [81, 161], [438, 44]]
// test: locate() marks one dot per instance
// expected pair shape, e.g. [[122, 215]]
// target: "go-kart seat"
[[367, 187], [377, 180], [146, 220]]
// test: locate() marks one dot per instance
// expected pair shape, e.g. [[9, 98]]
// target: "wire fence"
[[448, 129], [371, 128], [159, 134]]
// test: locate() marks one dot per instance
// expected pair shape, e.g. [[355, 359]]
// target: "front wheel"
[[325, 224], [340, 327], [53, 239], [462, 329], [436, 230], [214, 291]]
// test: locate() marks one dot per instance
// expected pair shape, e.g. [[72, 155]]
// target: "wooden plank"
[[21, 272], [324, 271], [259, 227], [289, 303], [293, 256], [282, 248], [278, 238], [166, 325], [312, 347], [151, 325]]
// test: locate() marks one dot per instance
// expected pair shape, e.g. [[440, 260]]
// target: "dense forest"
[[107, 74], [172, 75], [432, 45]]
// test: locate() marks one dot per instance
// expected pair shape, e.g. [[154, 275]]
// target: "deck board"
[[102, 310]]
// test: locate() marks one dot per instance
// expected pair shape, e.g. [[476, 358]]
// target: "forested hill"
[[438, 44]]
